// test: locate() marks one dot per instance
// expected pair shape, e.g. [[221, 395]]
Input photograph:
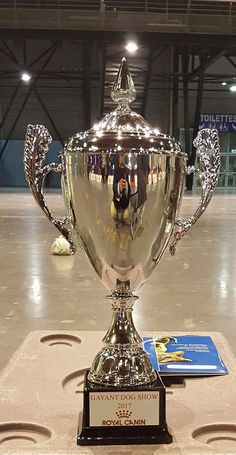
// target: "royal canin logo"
[[123, 420], [123, 414]]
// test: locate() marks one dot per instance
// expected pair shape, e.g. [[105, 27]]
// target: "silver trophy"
[[123, 183]]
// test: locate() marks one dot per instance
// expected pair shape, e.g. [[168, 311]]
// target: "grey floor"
[[193, 291]]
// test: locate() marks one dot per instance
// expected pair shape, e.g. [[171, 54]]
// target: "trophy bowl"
[[123, 183]]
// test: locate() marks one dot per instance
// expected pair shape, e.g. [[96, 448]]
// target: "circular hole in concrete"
[[217, 436], [73, 384], [61, 343], [63, 339], [27, 433], [15, 438]]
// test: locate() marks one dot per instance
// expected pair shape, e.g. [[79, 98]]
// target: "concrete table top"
[[41, 401]]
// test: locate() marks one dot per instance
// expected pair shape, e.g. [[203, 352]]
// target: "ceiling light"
[[25, 77], [131, 47], [223, 83], [233, 88]]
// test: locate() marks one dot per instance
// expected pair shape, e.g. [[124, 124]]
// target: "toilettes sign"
[[224, 123]]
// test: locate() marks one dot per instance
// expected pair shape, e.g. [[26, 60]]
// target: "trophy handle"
[[36, 147], [208, 152]]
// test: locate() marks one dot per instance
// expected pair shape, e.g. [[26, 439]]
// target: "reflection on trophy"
[[123, 183]]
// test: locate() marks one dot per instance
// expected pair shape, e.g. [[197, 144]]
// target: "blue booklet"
[[185, 355]]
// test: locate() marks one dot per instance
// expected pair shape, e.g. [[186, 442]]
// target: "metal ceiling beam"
[[15, 121], [102, 79], [12, 99], [197, 110], [12, 57], [87, 55], [185, 65], [10, 53], [24, 103], [14, 94], [36, 60], [73, 75], [167, 89], [175, 92], [208, 62], [161, 52], [47, 113], [24, 52], [147, 80], [7, 55], [231, 61], [118, 36], [193, 62]]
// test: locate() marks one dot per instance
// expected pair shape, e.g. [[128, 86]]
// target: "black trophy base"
[[122, 435]]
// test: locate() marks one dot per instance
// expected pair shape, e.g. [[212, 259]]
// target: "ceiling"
[[72, 69]]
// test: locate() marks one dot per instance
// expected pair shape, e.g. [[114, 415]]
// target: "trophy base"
[[124, 415]]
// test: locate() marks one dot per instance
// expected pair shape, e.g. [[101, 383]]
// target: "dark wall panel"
[[12, 168]]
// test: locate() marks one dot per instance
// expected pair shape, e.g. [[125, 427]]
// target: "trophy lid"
[[123, 129]]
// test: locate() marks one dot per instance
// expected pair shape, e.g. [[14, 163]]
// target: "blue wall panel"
[[12, 168]]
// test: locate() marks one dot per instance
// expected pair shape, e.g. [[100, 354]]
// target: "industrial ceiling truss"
[[77, 75]]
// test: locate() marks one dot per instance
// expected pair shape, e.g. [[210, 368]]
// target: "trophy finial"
[[123, 91]]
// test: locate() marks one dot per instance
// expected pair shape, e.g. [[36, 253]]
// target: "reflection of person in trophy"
[[104, 169], [142, 175], [121, 190], [139, 198], [170, 209]]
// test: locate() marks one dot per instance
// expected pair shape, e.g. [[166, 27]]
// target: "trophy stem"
[[122, 330], [122, 361]]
